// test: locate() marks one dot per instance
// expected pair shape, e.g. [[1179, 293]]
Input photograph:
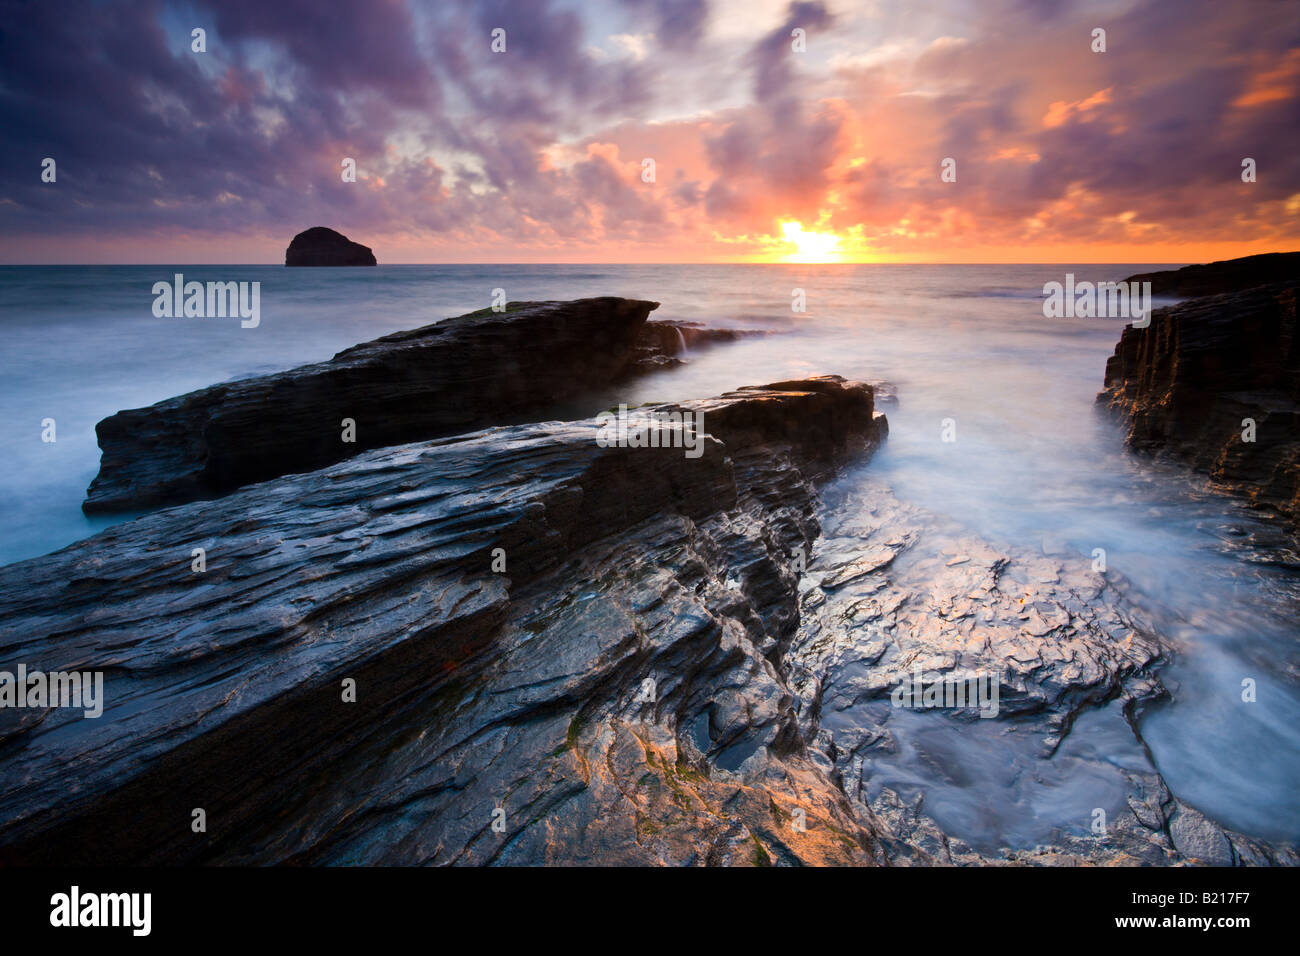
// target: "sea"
[[968, 349]]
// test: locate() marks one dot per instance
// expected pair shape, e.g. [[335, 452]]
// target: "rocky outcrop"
[[518, 646], [892, 589], [320, 246], [1228, 275], [451, 377], [1215, 382], [562, 653]]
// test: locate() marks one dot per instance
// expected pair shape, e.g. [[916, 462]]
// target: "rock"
[[611, 694], [912, 838], [1198, 838], [891, 588], [320, 246], [1185, 386], [662, 344], [451, 377], [860, 634], [897, 588], [672, 337], [886, 394], [1228, 275]]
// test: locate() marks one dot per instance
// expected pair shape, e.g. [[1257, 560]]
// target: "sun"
[[810, 246]]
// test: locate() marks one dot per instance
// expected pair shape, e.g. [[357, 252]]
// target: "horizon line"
[[1060, 262]]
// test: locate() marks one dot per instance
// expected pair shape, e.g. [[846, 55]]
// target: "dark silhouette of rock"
[[321, 246], [1191, 384], [614, 687], [1227, 275], [454, 376]]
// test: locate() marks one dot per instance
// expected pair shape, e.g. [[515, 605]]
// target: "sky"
[[650, 130]]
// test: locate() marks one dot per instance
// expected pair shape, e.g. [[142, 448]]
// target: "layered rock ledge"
[[611, 693], [1228, 275], [1208, 376], [442, 379], [322, 246]]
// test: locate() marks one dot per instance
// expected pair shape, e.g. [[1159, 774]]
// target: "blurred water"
[[968, 343]]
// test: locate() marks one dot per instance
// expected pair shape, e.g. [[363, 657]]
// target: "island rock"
[[322, 246]]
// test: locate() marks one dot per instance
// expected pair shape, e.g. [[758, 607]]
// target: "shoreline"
[[802, 626]]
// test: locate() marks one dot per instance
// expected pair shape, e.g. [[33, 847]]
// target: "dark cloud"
[[149, 135], [778, 154], [152, 139], [676, 22], [338, 45]]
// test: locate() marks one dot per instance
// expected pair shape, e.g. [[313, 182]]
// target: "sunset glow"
[[693, 131], [810, 246], [615, 434]]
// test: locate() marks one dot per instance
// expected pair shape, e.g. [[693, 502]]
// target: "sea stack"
[[322, 246]]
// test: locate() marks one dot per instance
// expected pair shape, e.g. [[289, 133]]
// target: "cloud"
[[538, 150]]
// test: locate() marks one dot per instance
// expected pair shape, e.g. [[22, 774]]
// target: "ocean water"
[[1032, 458]]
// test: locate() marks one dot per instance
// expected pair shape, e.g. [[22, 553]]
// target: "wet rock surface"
[[613, 695], [1156, 830], [447, 378], [1191, 384], [322, 246], [681, 661], [892, 588], [1228, 275]]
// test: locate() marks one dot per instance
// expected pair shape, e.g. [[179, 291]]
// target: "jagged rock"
[[1186, 385], [1198, 838], [615, 692], [320, 246], [1228, 275], [887, 592], [451, 377]]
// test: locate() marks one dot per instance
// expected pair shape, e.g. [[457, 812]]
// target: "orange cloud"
[[1273, 85], [1060, 111]]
